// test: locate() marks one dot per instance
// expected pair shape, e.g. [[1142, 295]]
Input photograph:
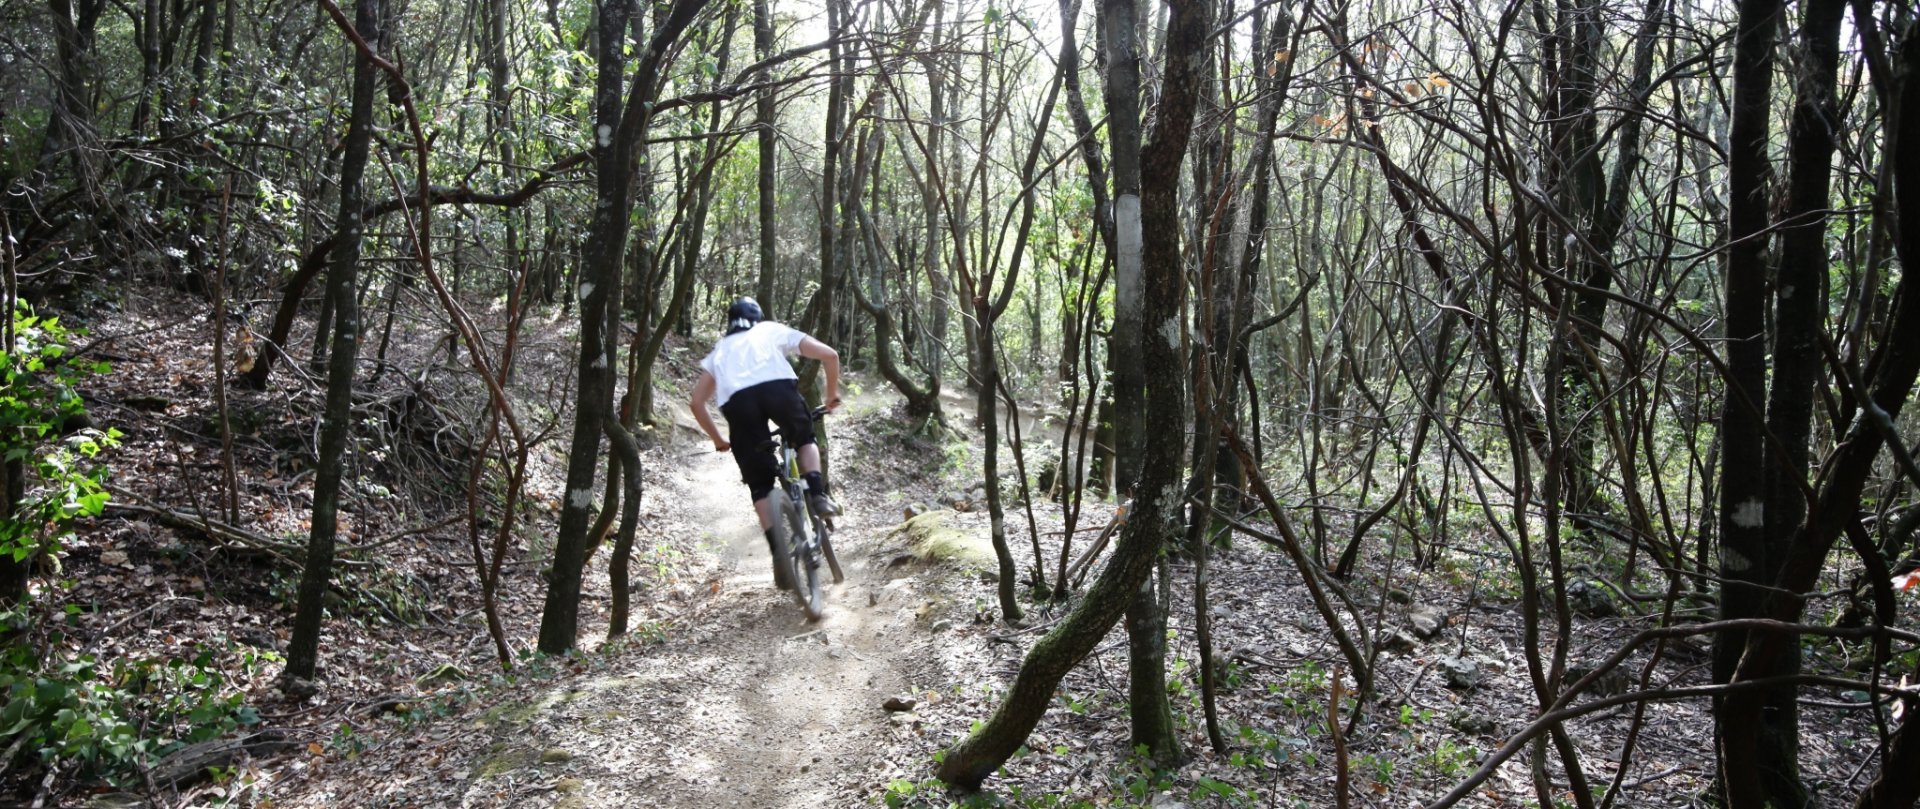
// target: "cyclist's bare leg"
[[764, 508]]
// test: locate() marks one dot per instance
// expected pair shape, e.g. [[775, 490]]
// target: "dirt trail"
[[773, 710], [742, 703], [732, 699]]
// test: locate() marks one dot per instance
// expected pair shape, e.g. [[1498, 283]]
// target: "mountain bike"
[[801, 538]]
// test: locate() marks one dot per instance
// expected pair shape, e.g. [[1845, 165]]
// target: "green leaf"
[[92, 504]]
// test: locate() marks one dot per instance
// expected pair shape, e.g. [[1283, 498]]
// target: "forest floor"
[[724, 695]]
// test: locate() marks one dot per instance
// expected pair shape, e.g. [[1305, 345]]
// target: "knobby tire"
[[782, 551], [807, 590], [821, 530]]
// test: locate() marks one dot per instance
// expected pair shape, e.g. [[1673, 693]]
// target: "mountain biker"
[[748, 375]]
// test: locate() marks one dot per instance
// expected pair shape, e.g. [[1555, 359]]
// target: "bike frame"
[[806, 547], [808, 534]]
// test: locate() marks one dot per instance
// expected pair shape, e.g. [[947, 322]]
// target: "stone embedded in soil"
[[1427, 621], [258, 638], [1399, 642], [1611, 682], [1472, 722], [446, 674], [904, 719], [1590, 600], [299, 687], [899, 704], [1460, 672], [147, 402]]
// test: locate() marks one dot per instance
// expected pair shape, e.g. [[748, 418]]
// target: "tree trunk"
[[620, 128], [934, 332], [989, 364], [1149, 714], [764, 120], [70, 124], [1120, 40], [336, 424], [1759, 730], [599, 285], [1742, 470], [1581, 194], [14, 573], [1898, 786], [923, 402], [627, 454], [693, 238]]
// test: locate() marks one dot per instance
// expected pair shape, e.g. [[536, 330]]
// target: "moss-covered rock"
[[932, 538], [505, 759], [512, 714]]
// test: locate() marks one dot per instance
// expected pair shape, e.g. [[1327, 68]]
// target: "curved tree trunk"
[[923, 401], [627, 455], [1158, 293]]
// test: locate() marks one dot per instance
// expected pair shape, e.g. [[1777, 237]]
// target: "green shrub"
[[110, 721], [37, 405], [65, 709]]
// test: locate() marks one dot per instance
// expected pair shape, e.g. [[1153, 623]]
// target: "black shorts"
[[748, 411]]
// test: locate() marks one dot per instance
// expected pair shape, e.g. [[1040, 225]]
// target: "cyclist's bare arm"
[[830, 360], [702, 393]]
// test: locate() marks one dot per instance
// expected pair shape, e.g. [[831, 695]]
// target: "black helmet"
[[743, 314]]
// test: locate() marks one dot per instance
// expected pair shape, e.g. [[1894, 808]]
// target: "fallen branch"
[[190, 764], [208, 527]]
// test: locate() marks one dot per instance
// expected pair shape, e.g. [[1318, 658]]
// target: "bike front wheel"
[[825, 534]]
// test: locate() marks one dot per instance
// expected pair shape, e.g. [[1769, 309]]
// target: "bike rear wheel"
[[804, 561]]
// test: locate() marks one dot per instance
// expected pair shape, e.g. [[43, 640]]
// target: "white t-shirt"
[[744, 359]]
